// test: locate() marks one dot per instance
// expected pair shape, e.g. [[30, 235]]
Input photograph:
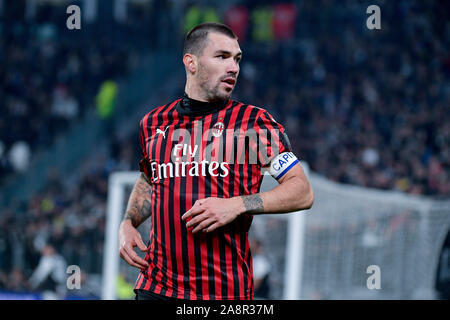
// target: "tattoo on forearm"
[[139, 205], [253, 204]]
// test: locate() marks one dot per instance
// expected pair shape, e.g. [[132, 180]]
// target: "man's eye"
[[222, 56]]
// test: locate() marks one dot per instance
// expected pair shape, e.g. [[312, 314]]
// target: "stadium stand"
[[362, 108]]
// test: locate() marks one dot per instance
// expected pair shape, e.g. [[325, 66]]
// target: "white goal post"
[[293, 234], [114, 213]]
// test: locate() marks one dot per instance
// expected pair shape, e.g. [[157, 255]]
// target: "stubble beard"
[[212, 92]]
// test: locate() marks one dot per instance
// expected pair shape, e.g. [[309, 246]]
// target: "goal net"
[[325, 252], [351, 228]]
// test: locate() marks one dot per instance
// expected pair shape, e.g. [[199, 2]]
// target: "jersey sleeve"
[[272, 139]]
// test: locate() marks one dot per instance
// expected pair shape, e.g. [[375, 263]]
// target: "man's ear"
[[190, 62]]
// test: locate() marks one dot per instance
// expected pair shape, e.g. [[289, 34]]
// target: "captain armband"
[[282, 164]]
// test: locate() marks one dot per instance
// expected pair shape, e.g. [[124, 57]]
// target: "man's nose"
[[233, 67]]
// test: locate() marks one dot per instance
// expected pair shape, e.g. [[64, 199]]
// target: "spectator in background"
[[50, 274], [106, 99], [5, 166], [261, 270], [64, 108], [19, 156]]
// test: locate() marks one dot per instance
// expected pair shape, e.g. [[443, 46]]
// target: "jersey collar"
[[192, 107]]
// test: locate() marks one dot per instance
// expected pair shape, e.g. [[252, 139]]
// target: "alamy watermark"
[[74, 278], [74, 20], [374, 20], [374, 280]]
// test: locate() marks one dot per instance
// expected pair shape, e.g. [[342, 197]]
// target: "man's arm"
[[138, 210], [139, 204], [294, 193]]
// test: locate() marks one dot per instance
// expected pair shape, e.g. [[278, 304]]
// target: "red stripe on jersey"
[[256, 177], [246, 258], [157, 234], [226, 184], [237, 237], [252, 283], [241, 147], [157, 243], [150, 251], [216, 255], [201, 195], [191, 247], [164, 273], [248, 261], [144, 139], [138, 280], [269, 128], [177, 217], [166, 154], [169, 216], [153, 262]]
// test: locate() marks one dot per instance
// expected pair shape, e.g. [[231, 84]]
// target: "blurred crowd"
[[362, 107], [49, 80], [68, 214]]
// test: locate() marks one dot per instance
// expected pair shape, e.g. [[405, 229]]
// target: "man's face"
[[218, 67]]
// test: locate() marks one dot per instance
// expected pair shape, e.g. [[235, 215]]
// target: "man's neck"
[[194, 92]]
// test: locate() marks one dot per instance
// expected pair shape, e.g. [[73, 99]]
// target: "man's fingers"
[[141, 262], [196, 209], [140, 243], [203, 225], [125, 257], [136, 259], [196, 220], [213, 227], [192, 211]]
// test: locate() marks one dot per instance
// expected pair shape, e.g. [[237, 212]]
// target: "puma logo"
[[159, 131]]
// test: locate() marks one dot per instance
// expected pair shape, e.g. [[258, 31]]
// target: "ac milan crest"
[[217, 129]]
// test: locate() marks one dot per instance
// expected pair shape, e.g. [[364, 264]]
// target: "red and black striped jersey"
[[218, 150]]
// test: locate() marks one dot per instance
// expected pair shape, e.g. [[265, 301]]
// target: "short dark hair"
[[195, 40]]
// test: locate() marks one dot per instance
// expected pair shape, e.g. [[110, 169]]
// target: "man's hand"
[[211, 213], [129, 237]]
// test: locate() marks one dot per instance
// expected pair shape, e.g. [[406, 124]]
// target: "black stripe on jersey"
[[237, 166], [142, 278], [184, 232], [220, 194], [219, 235], [274, 132], [157, 188], [151, 151], [168, 117], [245, 265], [196, 238], [210, 243], [240, 149], [250, 123], [173, 242]]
